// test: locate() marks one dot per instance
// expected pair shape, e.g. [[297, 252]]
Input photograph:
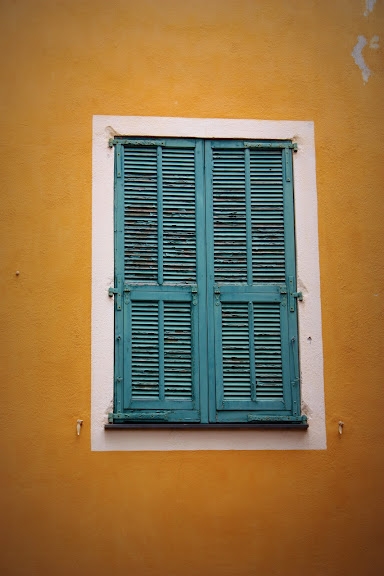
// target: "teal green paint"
[[248, 211], [200, 360], [293, 357], [127, 347], [161, 351], [118, 274], [160, 238], [158, 374], [212, 304], [252, 308], [251, 344]]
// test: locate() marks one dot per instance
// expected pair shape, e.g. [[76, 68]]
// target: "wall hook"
[[341, 425], [78, 426]]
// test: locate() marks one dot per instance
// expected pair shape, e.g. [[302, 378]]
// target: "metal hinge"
[[293, 296], [116, 292]]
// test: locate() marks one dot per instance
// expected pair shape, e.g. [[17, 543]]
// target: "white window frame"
[[308, 282]]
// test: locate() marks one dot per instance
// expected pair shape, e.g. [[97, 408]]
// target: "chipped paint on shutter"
[[179, 220], [268, 252], [145, 350], [140, 214], [229, 215], [268, 357], [235, 345], [177, 350]]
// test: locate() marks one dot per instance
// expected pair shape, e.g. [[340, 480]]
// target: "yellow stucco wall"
[[68, 511]]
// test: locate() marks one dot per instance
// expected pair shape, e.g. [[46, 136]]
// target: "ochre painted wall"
[[68, 511]]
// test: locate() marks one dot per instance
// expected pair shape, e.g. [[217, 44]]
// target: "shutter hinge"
[[116, 292], [293, 295]]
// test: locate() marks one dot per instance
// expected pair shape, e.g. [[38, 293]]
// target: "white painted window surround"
[[310, 334]]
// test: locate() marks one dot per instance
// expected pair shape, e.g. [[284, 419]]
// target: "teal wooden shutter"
[[159, 273], [251, 281]]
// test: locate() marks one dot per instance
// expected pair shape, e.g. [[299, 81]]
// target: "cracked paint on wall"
[[357, 54]]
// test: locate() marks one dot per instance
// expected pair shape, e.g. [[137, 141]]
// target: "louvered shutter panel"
[[252, 267], [157, 326]]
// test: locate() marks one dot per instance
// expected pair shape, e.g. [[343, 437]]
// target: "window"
[[206, 133], [205, 282]]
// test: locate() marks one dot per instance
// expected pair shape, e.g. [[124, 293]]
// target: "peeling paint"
[[374, 43], [111, 132], [359, 58], [369, 6], [305, 409]]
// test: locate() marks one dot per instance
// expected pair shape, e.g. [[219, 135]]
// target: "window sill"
[[197, 426]]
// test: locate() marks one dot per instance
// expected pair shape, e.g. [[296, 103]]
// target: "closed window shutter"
[[157, 335], [253, 269], [205, 282]]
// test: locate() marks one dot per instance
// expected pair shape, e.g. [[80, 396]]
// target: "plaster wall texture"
[[67, 510]]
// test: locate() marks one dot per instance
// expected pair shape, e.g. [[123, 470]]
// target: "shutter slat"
[[177, 351], [268, 245], [229, 216], [179, 218], [145, 350], [235, 352], [140, 214], [268, 357]]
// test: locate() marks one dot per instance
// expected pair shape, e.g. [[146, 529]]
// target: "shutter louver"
[[145, 350], [177, 351], [229, 217], [179, 215], [236, 357], [266, 176], [140, 214], [268, 357]]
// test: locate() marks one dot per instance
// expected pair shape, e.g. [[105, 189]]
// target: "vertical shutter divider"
[[248, 214], [213, 327], [160, 234]]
